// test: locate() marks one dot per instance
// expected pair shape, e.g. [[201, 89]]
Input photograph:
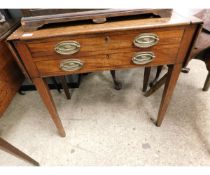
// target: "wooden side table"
[[83, 48]]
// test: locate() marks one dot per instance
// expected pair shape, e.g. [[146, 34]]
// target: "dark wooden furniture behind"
[[11, 79], [200, 51], [87, 47], [36, 18]]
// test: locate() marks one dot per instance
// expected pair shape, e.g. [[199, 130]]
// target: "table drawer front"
[[55, 67], [98, 44], [166, 55]]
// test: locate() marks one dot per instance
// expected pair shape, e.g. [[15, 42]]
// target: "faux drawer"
[[100, 44], [166, 55]]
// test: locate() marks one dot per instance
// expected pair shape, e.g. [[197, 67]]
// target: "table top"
[[89, 28]]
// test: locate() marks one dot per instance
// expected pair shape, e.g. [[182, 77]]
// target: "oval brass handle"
[[71, 65], [141, 58], [67, 47], [146, 40]]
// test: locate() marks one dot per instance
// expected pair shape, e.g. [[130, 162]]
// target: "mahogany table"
[[85, 47]]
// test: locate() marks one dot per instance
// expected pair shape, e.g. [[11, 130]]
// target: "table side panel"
[[25, 55], [187, 43], [10, 77]]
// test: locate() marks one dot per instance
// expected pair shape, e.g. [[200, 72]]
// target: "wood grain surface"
[[103, 43], [166, 54], [10, 77]]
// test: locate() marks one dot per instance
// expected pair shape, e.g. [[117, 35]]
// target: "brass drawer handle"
[[141, 58], [71, 65], [67, 47], [146, 40]]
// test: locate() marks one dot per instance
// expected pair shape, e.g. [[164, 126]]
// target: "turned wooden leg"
[[172, 77], [207, 82], [21, 92], [13, 150], [185, 70], [65, 86], [117, 84], [147, 71], [44, 92], [159, 69]]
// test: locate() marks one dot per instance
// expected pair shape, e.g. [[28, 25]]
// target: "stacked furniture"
[[11, 79], [200, 51]]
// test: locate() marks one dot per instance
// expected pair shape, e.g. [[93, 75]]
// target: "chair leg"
[[11, 149], [185, 70], [156, 86], [56, 84], [117, 84], [159, 69], [207, 82], [65, 86], [147, 71]]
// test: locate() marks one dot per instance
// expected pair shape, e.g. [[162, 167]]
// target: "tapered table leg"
[[147, 71], [11, 149], [172, 77], [44, 92]]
